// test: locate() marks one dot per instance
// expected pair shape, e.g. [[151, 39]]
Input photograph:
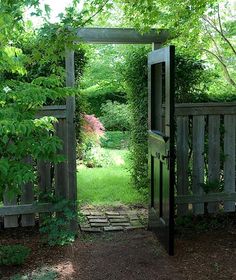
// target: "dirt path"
[[132, 255]]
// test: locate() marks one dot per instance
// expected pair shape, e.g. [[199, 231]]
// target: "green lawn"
[[108, 185]]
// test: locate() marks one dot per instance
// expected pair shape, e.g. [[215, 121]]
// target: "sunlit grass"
[[109, 185]]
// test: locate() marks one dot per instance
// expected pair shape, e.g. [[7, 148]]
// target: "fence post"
[[71, 136], [229, 160], [61, 169]]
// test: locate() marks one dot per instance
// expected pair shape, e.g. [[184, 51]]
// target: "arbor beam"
[[120, 36]]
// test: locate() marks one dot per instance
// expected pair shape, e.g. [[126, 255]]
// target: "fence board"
[[27, 197], [44, 174], [198, 109], [10, 210], [12, 220], [229, 159], [198, 160], [182, 160], [61, 169], [212, 197], [57, 111], [213, 155]]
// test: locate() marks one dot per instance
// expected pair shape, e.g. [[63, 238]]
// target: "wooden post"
[[156, 46], [71, 138], [229, 163]]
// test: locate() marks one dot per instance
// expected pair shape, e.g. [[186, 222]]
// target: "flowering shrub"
[[90, 151], [93, 128]]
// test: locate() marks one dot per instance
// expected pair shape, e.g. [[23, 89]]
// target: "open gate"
[[161, 144]]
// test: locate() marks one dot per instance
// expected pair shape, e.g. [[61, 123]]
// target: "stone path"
[[104, 220]]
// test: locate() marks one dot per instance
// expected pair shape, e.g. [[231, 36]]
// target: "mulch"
[[131, 255]]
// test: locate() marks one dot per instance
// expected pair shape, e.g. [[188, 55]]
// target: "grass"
[[109, 185]]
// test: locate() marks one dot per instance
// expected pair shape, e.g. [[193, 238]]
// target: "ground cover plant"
[[13, 254]]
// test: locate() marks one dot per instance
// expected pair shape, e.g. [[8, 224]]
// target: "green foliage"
[[214, 186], [204, 29], [56, 227], [13, 254], [23, 135], [94, 99], [115, 116], [115, 140], [191, 86], [135, 75], [192, 79], [94, 156]]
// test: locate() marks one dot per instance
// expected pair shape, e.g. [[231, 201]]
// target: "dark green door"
[[161, 144]]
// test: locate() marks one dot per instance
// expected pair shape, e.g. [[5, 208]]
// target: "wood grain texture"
[[182, 161], [71, 137], [10, 210], [213, 156], [12, 220], [198, 109], [229, 160], [198, 160], [212, 197], [120, 36]]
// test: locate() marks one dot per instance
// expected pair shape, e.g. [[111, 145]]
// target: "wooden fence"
[[205, 158], [22, 210], [205, 164]]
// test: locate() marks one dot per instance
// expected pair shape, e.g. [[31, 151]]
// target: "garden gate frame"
[[65, 173], [99, 36]]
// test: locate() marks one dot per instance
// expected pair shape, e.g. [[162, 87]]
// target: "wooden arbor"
[[98, 36], [64, 175]]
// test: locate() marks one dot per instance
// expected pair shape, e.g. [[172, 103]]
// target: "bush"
[[95, 99], [115, 140], [89, 151], [13, 254], [21, 134], [115, 116], [192, 80], [135, 75], [56, 227]]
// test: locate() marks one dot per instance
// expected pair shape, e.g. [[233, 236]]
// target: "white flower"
[[6, 89]]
